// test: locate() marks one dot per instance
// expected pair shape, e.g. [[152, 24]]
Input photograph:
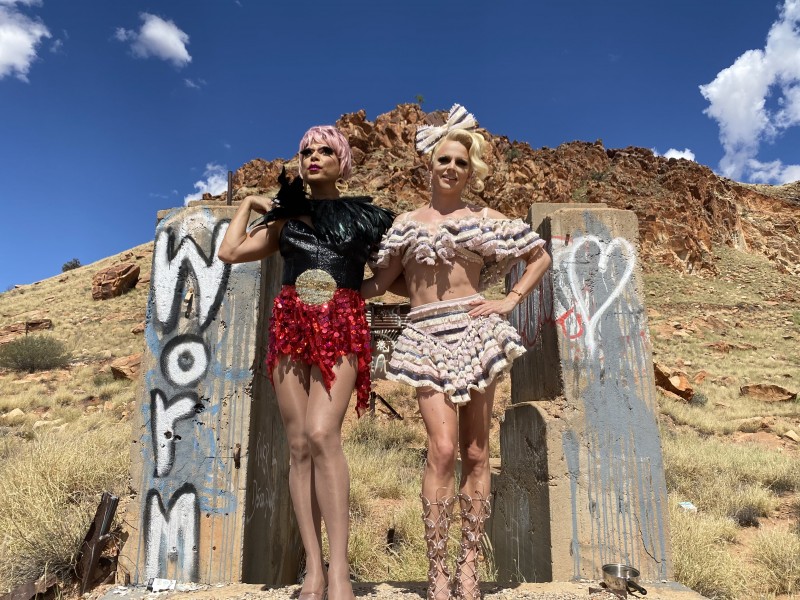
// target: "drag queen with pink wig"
[[457, 342], [319, 347]]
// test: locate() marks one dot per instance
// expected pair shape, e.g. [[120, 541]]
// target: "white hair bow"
[[429, 135]]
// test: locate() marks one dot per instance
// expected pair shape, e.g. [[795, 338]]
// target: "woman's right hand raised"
[[260, 204]]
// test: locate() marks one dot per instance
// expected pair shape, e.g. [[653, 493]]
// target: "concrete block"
[[585, 394], [200, 450]]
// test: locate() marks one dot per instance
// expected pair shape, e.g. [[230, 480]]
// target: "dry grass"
[[385, 472], [704, 464], [386, 541], [701, 555], [729, 412], [748, 306], [750, 303], [777, 555], [692, 459], [49, 490]]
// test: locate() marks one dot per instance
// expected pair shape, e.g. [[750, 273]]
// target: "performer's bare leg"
[[473, 435], [291, 380], [475, 488], [441, 424], [324, 419], [438, 480]]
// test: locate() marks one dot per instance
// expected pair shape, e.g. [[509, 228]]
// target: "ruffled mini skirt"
[[320, 334], [443, 348]]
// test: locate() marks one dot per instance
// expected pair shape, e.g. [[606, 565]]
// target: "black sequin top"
[[343, 234]]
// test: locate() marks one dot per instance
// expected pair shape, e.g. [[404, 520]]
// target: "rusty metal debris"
[[96, 539]]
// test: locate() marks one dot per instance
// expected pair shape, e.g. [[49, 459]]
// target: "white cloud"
[[738, 101], [685, 153], [194, 84], [20, 36], [123, 35], [216, 182], [772, 172], [157, 38]]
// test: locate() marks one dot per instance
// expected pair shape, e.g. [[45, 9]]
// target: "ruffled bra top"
[[494, 243]]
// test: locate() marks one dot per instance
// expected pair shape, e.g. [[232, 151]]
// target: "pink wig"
[[330, 136]]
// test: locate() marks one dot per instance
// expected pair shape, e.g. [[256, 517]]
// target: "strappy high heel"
[[436, 532], [474, 512]]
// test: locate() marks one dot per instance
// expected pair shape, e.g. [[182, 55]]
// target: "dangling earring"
[[342, 186]]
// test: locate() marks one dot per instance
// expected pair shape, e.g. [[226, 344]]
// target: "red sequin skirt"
[[320, 334]]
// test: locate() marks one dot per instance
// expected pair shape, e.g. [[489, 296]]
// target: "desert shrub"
[[34, 353], [49, 490], [70, 264], [777, 554], [747, 516], [698, 399]]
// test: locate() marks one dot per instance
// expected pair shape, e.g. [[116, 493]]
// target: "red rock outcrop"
[[114, 281], [127, 367], [15, 330], [684, 208]]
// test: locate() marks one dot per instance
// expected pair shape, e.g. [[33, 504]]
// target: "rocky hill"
[[684, 209]]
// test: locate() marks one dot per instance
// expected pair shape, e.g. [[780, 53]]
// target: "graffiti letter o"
[[184, 360]]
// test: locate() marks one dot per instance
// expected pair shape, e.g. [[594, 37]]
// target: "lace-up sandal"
[[437, 525], [474, 512]]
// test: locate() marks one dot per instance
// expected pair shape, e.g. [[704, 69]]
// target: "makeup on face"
[[322, 150], [451, 167]]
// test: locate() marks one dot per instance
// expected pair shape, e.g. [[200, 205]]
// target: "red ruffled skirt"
[[320, 334]]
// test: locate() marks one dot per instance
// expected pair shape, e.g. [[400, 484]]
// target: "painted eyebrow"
[[444, 158]]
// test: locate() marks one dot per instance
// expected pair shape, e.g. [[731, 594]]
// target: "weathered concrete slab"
[[273, 549], [205, 463], [582, 480]]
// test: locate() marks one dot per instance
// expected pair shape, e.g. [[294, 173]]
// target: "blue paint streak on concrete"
[[152, 337], [232, 375]]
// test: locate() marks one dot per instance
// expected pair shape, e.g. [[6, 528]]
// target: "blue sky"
[[113, 110]]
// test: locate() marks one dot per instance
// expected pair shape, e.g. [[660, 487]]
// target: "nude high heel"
[[474, 512], [436, 531]]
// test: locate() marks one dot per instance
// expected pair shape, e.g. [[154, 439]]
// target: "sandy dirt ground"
[[398, 591]]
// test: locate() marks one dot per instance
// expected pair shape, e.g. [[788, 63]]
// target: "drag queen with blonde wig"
[[457, 342], [318, 349]]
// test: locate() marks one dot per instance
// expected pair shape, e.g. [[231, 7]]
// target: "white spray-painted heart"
[[581, 307]]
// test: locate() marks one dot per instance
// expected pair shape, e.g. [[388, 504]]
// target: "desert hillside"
[[684, 209]]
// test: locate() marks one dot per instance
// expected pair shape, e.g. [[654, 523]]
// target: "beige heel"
[[436, 531], [474, 512]]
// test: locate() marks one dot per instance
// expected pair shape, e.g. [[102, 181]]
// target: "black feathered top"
[[342, 235]]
